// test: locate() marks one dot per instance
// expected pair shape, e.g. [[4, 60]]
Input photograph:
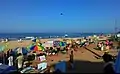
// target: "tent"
[[6, 69], [117, 64]]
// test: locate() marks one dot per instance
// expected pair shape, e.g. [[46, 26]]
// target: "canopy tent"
[[117, 64], [6, 69]]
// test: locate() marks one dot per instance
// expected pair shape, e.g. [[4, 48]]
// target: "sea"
[[44, 35]]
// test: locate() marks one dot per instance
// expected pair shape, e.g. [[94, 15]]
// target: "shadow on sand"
[[87, 67]]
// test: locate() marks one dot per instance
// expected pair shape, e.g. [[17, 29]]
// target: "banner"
[[42, 58]]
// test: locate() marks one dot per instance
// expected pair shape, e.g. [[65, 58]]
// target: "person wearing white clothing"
[[10, 61], [20, 60]]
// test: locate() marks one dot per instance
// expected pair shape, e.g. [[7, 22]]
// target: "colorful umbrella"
[[29, 47], [37, 48], [62, 44], [36, 40]]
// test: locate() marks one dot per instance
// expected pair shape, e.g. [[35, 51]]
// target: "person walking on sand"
[[20, 60], [10, 63], [71, 59]]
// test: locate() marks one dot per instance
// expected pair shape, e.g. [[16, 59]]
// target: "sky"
[[29, 16]]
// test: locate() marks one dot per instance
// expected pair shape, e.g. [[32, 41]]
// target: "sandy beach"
[[85, 61]]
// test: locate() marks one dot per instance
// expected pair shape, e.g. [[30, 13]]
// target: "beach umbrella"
[[30, 46], [62, 44], [15, 51], [24, 51], [36, 40], [117, 64], [56, 43], [37, 48], [2, 48]]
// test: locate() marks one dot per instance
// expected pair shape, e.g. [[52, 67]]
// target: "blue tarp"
[[61, 66], [6, 69], [117, 64]]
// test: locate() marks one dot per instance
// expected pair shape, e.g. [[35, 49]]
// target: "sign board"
[[42, 58], [42, 66]]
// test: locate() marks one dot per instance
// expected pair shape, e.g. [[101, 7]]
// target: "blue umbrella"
[[32, 48], [24, 51], [14, 52], [117, 64]]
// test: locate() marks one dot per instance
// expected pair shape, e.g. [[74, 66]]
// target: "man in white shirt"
[[10, 60]]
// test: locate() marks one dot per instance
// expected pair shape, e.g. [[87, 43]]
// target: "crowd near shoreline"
[[22, 57]]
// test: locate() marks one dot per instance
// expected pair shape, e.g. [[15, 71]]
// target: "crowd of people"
[[18, 60], [105, 45], [11, 59]]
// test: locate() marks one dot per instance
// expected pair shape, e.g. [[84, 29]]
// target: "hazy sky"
[[44, 15]]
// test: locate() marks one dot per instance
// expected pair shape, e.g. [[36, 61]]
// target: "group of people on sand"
[[105, 45], [19, 59], [11, 59]]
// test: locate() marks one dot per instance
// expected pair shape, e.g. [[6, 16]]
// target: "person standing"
[[71, 59], [20, 60], [10, 60]]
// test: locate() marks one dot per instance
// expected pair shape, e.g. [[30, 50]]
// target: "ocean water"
[[44, 35]]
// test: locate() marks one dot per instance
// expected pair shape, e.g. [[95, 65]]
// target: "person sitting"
[[108, 67]]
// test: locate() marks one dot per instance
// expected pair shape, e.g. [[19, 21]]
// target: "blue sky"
[[44, 15]]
